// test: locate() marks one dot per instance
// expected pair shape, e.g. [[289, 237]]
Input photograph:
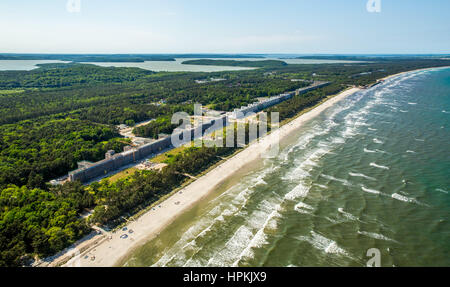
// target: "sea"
[[369, 177]]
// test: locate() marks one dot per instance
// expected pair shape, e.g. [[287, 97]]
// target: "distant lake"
[[177, 66], [24, 65], [173, 66], [164, 66]]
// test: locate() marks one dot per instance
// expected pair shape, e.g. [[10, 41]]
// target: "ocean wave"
[[378, 166], [332, 220], [375, 140], [441, 190], [337, 140], [376, 236], [303, 208], [420, 140], [305, 164], [402, 197], [369, 151], [348, 133], [343, 181], [361, 175], [370, 190], [445, 112], [324, 244], [412, 103], [372, 129], [321, 185], [410, 151], [232, 249], [260, 237], [347, 215], [407, 199], [300, 190], [403, 111]]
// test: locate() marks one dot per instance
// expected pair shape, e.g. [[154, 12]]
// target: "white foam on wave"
[[362, 124], [372, 129], [260, 237], [177, 253], [300, 190], [361, 175], [378, 166], [412, 103], [403, 111], [375, 140], [321, 185], [233, 247], [370, 190], [303, 208], [403, 198], [305, 164], [420, 140], [347, 215], [369, 151], [343, 181], [376, 236], [445, 112], [348, 133], [324, 244], [337, 140], [441, 190], [304, 141]]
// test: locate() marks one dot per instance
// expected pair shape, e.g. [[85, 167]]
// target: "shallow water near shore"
[[372, 171]]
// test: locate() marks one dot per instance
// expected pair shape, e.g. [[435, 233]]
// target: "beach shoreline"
[[110, 248]]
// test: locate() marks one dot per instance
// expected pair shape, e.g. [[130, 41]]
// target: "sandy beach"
[[111, 247]]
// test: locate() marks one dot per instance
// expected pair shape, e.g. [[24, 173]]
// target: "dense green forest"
[[153, 129], [59, 114], [63, 75], [296, 104], [33, 152]]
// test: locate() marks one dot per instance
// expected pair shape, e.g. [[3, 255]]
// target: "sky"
[[225, 26]]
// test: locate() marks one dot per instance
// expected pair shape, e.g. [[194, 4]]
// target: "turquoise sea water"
[[373, 171]]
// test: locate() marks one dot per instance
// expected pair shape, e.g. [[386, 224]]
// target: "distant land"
[[362, 57], [259, 64], [136, 58]]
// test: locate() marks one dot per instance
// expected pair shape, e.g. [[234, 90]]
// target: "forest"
[[59, 114]]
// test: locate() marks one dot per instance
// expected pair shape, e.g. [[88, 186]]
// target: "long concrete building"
[[271, 101], [114, 162]]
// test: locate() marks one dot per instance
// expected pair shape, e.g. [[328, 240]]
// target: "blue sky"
[[226, 26]]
